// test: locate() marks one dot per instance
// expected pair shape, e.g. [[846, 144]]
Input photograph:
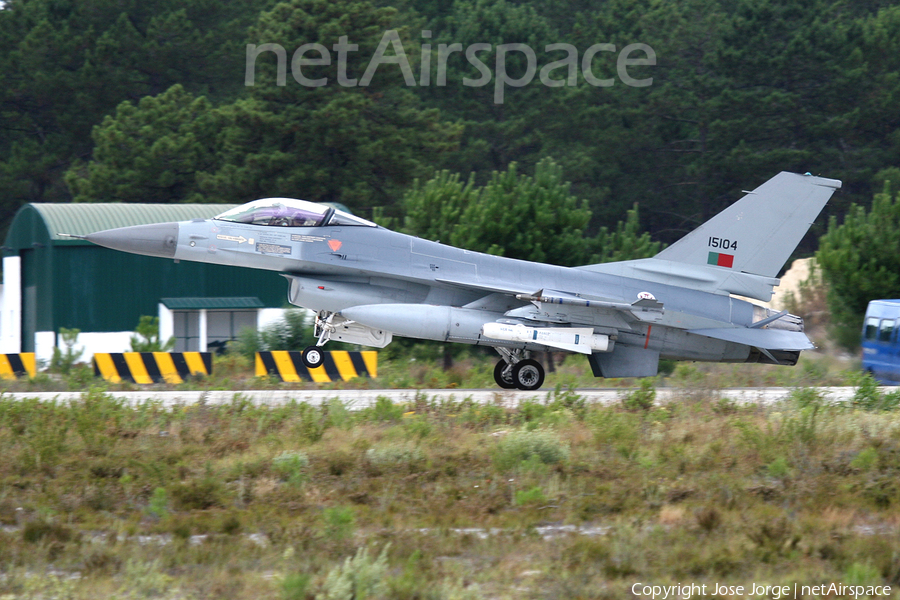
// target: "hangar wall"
[[51, 281]]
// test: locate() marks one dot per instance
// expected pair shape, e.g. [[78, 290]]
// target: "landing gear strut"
[[513, 371], [314, 356]]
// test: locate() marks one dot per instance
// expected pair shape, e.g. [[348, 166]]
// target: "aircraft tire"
[[507, 383], [313, 357], [528, 375]]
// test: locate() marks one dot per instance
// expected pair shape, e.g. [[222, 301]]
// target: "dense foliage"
[[860, 261], [423, 114], [740, 90]]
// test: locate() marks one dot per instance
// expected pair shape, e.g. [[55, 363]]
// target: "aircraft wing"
[[471, 285], [768, 339]]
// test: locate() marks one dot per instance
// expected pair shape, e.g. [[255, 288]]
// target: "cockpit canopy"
[[288, 212]]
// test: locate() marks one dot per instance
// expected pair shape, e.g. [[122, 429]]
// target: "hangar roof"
[[232, 303], [85, 218], [43, 222], [68, 282]]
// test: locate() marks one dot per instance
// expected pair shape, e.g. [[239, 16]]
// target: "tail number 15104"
[[723, 243]]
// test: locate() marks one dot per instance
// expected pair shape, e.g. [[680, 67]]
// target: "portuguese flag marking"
[[720, 260]]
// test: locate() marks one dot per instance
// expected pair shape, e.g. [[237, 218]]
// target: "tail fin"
[[740, 250], [758, 233]]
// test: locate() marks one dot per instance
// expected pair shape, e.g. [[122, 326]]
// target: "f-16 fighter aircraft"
[[368, 284]]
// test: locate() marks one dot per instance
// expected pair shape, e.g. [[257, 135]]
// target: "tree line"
[[127, 101]]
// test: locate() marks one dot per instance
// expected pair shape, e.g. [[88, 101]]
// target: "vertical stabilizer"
[[742, 249], [758, 233]]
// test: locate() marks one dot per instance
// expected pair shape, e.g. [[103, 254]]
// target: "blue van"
[[881, 348]]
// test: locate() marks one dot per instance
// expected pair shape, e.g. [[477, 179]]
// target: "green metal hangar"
[[51, 281]]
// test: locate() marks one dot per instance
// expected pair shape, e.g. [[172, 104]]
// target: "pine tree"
[[860, 261]]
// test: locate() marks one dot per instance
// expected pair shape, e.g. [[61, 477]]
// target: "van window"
[[886, 330], [871, 328]]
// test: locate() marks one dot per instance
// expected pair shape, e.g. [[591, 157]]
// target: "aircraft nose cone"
[[150, 240]]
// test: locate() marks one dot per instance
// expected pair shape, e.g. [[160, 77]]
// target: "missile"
[[645, 308], [572, 301], [582, 340]]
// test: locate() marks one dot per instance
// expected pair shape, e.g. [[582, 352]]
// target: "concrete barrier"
[[17, 365], [151, 367], [339, 365]]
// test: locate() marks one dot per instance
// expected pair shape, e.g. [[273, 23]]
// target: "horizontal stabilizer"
[[768, 339]]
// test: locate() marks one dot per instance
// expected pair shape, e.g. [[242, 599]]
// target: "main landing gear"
[[515, 372], [314, 356]]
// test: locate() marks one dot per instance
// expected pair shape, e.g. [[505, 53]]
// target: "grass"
[[441, 499], [473, 370]]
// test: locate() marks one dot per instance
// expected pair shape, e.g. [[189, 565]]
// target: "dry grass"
[[573, 501]]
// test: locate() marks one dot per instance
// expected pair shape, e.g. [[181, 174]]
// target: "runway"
[[360, 399]]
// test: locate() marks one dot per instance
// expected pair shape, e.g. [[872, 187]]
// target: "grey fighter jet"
[[368, 284]]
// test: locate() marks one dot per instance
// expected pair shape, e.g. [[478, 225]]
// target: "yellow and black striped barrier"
[[338, 365], [17, 365], [151, 367]]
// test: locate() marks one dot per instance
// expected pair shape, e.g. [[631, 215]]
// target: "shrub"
[[541, 445], [159, 503], [530, 497], [63, 360], [148, 577], [778, 468], [358, 578], [865, 460], [339, 522], [383, 411], [862, 574], [417, 427], [146, 338], [291, 466], [641, 398], [198, 494], [708, 518], [36, 531], [293, 331], [394, 455], [621, 430], [869, 397], [294, 586], [805, 397], [337, 415], [859, 262]]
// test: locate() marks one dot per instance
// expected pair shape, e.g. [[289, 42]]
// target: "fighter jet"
[[368, 284]]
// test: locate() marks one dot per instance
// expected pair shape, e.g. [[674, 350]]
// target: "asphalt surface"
[[359, 399]]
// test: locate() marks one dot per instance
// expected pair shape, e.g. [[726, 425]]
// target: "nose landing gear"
[[314, 356], [515, 372]]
